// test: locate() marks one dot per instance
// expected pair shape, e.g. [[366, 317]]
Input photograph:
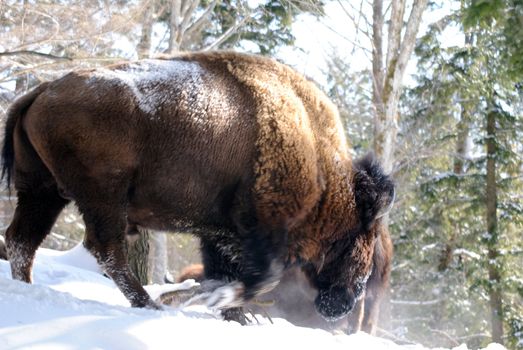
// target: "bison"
[[238, 149]]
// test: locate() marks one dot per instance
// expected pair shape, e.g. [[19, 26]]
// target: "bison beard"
[[238, 149]]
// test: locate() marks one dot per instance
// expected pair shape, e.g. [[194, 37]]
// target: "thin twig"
[[253, 316], [446, 335], [386, 334], [266, 314]]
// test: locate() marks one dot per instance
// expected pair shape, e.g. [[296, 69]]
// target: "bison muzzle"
[[240, 150]]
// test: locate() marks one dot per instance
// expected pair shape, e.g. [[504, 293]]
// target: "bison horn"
[[320, 266], [388, 207]]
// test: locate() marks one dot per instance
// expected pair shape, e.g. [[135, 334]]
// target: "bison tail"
[[15, 112]]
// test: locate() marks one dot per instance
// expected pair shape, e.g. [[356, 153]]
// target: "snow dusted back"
[[72, 306]]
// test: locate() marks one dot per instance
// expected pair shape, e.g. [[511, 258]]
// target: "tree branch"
[[34, 53], [196, 24], [187, 15], [227, 34], [408, 42]]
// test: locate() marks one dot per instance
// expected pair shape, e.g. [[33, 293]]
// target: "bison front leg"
[[221, 260], [105, 239], [259, 269], [262, 261]]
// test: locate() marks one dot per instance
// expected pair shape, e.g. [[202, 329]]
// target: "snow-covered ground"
[[72, 306]]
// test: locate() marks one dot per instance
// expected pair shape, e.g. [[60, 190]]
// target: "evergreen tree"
[[463, 134]]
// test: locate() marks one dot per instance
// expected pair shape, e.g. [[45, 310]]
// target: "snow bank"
[[72, 306]]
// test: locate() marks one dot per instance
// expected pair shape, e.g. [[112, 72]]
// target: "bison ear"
[[373, 190]]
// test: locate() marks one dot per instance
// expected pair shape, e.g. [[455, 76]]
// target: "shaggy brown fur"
[[239, 149]]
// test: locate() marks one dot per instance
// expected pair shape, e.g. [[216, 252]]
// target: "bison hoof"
[[154, 306], [226, 297], [147, 304], [236, 315]]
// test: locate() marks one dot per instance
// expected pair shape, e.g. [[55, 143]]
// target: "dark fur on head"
[[342, 273], [374, 191]]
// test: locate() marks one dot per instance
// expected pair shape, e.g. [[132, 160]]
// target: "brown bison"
[[293, 298], [238, 149]]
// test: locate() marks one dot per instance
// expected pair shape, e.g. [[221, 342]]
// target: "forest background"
[[433, 88]]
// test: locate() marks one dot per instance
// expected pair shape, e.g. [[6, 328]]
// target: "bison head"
[[345, 264]]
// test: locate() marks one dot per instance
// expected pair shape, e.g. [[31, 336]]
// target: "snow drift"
[[72, 306]]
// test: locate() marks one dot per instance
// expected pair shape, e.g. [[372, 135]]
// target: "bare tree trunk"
[[144, 46], [21, 84], [496, 303], [174, 26], [181, 21], [158, 257], [387, 82], [186, 23], [399, 50], [377, 67]]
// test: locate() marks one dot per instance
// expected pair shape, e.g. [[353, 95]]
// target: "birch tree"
[[185, 24], [388, 70]]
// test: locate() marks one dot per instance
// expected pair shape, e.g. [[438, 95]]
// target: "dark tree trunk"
[[463, 132], [494, 268]]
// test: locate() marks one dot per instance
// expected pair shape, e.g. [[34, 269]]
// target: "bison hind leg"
[[103, 206], [36, 211], [105, 239]]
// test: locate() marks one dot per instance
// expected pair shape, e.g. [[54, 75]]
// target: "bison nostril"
[[334, 303]]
